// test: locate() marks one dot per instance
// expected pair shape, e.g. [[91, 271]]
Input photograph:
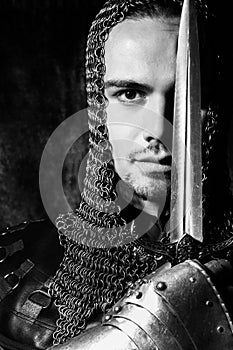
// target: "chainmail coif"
[[91, 277]]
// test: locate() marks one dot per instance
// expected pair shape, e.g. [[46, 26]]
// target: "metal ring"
[[5, 251], [12, 274]]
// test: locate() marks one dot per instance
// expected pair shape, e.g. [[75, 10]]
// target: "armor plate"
[[176, 308]]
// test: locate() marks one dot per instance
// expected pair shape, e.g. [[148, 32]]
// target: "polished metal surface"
[[187, 313], [186, 184]]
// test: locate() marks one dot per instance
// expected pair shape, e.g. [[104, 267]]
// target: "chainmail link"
[[92, 278]]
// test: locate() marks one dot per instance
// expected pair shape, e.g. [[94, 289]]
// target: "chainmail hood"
[[97, 269]]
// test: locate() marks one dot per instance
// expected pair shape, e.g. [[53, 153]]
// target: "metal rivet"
[[138, 295], [161, 286], [209, 303], [117, 309], [220, 329], [192, 279]]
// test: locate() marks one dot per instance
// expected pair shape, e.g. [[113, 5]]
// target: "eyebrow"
[[129, 84]]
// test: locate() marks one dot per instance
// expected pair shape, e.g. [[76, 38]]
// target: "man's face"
[[140, 58]]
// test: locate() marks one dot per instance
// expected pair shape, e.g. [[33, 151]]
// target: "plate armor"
[[175, 308]]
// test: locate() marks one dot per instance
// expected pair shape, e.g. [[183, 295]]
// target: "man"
[[119, 234]]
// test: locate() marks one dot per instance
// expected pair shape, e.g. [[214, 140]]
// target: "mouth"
[[154, 162], [150, 167]]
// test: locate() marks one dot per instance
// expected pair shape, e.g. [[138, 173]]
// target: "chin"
[[154, 190]]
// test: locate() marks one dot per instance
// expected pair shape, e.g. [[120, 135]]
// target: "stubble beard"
[[155, 189]]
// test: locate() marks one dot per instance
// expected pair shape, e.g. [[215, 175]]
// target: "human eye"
[[130, 96]]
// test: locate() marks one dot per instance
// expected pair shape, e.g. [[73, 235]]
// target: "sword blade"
[[186, 176], [193, 219]]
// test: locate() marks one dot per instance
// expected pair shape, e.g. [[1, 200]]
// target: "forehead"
[[137, 45]]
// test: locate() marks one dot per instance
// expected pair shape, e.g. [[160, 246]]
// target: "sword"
[[186, 173]]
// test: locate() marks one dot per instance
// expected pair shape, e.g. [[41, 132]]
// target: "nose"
[[158, 121], [154, 128]]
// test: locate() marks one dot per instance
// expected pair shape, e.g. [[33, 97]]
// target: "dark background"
[[42, 82]]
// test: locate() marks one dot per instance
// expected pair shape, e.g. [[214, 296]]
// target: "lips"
[[152, 164], [148, 167], [164, 160]]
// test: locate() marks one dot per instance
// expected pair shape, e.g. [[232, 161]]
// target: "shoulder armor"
[[177, 308], [30, 254]]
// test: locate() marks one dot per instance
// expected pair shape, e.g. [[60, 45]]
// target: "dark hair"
[[158, 8], [209, 44]]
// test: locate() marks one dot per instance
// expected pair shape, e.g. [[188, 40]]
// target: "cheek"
[[120, 113], [123, 123], [123, 138], [122, 141], [122, 132]]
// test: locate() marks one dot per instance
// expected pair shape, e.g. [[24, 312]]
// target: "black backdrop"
[[42, 82]]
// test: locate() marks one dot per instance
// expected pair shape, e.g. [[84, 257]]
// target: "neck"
[[147, 217]]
